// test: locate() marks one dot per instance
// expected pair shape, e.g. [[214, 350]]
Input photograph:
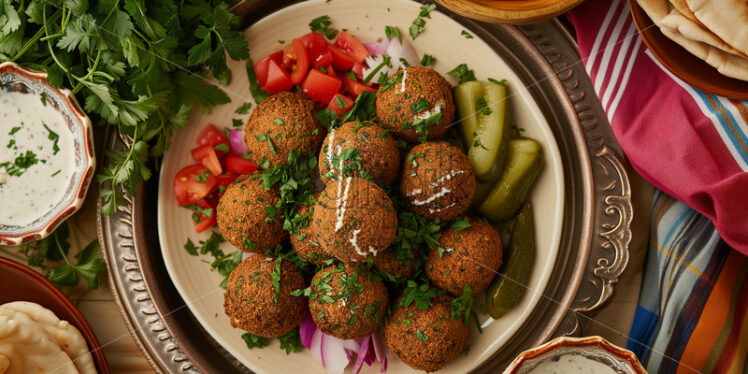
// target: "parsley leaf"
[[466, 34], [244, 108], [427, 60], [462, 73], [322, 25], [254, 341], [462, 306], [291, 342], [460, 223], [416, 28], [393, 32], [421, 295]]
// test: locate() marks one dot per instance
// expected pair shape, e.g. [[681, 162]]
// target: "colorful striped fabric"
[[693, 308], [691, 144]]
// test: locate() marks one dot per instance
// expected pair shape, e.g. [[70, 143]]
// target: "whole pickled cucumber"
[[508, 288], [522, 169]]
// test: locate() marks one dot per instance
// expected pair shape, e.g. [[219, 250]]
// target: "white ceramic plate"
[[366, 20]]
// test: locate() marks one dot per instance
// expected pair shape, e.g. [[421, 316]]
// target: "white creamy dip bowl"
[[46, 155], [586, 355]]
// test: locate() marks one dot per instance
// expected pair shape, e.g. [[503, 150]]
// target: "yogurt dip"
[[37, 158], [571, 364]]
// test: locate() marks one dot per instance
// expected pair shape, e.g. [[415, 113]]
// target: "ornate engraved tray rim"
[[598, 208]]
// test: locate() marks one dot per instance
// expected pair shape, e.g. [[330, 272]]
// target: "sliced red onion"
[[333, 352], [377, 48], [236, 139], [315, 346], [362, 353], [379, 351], [397, 51], [306, 331]]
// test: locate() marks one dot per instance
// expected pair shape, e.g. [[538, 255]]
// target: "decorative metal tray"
[[594, 245]]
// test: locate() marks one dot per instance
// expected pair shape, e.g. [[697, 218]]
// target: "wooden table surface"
[[104, 316]]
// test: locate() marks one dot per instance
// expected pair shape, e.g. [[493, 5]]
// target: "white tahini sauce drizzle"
[[430, 112], [402, 84], [451, 174], [354, 242], [414, 192], [444, 192], [29, 196], [373, 251], [439, 210], [571, 364], [340, 203]]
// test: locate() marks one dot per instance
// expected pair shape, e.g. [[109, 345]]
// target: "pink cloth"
[[691, 144]]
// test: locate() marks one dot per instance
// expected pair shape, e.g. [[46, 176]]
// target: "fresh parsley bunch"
[[138, 64]]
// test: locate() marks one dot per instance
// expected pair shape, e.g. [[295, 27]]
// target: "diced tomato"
[[355, 87], [297, 57], [278, 79], [210, 135], [330, 71], [261, 67], [340, 104], [235, 163], [225, 180], [188, 190], [205, 222], [340, 60], [352, 46], [320, 87], [314, 42], [358, 69], [206, 155], [323, 59]]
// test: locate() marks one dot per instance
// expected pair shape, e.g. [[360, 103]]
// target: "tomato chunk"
[[206, 155], [212, 136], [323, 59], [193, 183], [352, 46], [236, 163], [320, 87], [314, 42], [204, 222], [340, 59], [340, 104], [355, 87], [358, 69], [261, 67], [295, 56], [278, 79]]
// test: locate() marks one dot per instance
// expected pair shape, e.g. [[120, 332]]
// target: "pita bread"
[[28, 349], [683, 8], [726, 63], [691, 30], [728, 19], [61, 333]]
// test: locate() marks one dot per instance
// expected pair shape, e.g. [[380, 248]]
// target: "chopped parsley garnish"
[[20, 164], [258, 94], [518, 132], [43, 98], [14, 130], [416, 28], [419, 106], [254, 341], [386, 61], [275, 277], [462, 306], [237, 122], [501, 82], [322, 25], [341, 103], [428, 60], [57, 172], [222, 147], [263, 137], [482, 106], [291, 342], [477, 143], [460, 223], [420, 295], [244, 108], [278, 121], [404, 62], [224, 263], [421, 336], [393, 32], [202, 177], [466, 34], [462, 73], [422, 124]]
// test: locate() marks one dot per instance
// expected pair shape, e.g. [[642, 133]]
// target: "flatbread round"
[[728, 19], [28, 349], [61, 333], [691, 30], [726, 63], [683, 8]]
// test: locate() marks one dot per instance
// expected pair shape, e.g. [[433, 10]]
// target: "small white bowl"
[[14, 78], [593, 348]]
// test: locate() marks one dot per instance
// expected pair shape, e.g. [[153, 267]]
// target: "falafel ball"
[[421, 110], [468, 256], [425, 339], [282, 123], [306, 243], [347, 302], [437, 181], [242, 218], [354, 219], [254, 304], [400, 263], [364, 149]]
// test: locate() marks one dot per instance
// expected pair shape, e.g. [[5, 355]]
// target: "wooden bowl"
[[516, 12], [682, 63], [28, 285]]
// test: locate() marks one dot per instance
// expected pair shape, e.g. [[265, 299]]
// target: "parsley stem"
[[385, 61], [90, 72], [31, 42], [59, 248]]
